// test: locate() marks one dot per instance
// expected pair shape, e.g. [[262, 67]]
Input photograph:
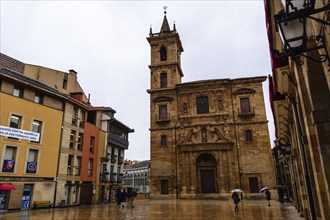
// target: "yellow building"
[[29, 139]]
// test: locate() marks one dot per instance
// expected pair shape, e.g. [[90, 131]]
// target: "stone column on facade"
[[182, 165], [193, 185], [221, 172], [230, 171]]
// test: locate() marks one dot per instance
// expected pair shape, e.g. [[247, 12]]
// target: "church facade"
[[206, 137]]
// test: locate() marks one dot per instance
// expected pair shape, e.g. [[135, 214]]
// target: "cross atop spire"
[[165, 27], [165, 7]]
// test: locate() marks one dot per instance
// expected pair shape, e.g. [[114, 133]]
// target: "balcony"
[[118, 141], [249, 113], [105, 176], [81, 124], [120, 160], [69, 170], [113, 177], [113, 158], [74, 121], [163, 118]]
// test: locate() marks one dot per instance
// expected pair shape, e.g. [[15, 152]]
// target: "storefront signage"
[[18, 133]]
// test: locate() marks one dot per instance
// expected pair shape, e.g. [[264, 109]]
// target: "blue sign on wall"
[[31, 167], [8, 166], [26, 199]]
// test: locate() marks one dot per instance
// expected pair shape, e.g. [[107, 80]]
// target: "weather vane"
[[165, 9]]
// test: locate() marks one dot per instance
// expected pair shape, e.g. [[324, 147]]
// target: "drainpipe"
[[236, 140], [59, 156], [176, 151]]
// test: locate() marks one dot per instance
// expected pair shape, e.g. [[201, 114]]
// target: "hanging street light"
[[291, 25]]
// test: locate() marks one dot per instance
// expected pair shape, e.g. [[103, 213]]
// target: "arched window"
[[163, 53]]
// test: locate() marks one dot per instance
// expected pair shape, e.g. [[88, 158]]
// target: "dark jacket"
[[235, 197], [267, 195]]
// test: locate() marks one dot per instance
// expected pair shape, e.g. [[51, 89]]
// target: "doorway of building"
[[4, 194], [26, 198], [206, 173]]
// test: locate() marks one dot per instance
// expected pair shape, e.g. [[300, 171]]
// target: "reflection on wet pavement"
[[164, 209]]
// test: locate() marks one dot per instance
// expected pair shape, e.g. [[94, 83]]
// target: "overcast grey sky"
[[105, 42]]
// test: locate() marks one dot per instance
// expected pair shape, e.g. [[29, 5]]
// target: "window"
[[91, 144], [163, 80], [164, 187], [163, 140], [248, 135], [36, 127], [31, 166], [74, 116], [80, 141], [15, 121], [112, 172], [163, 112], [245, 105], [37, 98], [78, 166], [73, 139], [70, 164], [18, 92], [82, 119], [254, 185], [90, 167], [202, 104], [9, 159], [163, 53]]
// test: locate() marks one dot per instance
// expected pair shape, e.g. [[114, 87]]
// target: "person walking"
[[281, 195], [236, 200], [132, 195], [118, 197], [123, 198], [267, 193]]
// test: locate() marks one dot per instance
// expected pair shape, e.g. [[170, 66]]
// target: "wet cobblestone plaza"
[[164, 209]]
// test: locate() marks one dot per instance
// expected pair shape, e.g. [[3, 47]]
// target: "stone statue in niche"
[[204, 136]]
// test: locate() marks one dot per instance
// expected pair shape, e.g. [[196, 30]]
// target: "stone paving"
[[164, 209]]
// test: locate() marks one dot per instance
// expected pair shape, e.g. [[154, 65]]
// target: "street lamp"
[[291, 25]]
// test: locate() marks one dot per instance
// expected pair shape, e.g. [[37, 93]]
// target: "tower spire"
[[165, 27]]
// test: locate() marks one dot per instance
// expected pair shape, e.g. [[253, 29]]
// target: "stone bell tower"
[[165, 74], [166, 49]]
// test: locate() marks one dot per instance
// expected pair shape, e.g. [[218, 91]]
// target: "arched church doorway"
[[206, 173]]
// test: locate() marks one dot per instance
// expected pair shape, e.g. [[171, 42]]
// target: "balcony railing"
[[249, 113], [74, 121], [120, 160], [163, 118], [69, 170], [113, 158]]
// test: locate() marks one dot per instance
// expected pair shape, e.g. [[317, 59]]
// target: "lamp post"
[[291, 25]]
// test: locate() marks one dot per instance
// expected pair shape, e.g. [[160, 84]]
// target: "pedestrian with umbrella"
[[267, 193], [235, 197]]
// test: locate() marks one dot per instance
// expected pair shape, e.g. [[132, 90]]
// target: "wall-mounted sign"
[[8, 166], [18, 133], [31, 167]]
